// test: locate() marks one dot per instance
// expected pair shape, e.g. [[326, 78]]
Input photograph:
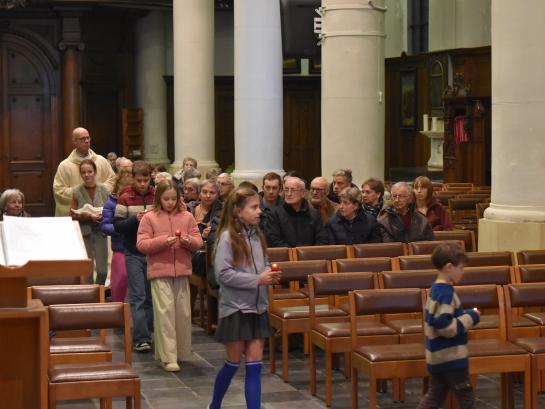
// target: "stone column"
[[395, 27], [71, 46], [150, 87], [515, 219], [258, 89], [194, 131], [353, 88]]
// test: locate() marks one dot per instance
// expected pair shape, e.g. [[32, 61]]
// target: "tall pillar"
[[194, 130], [258, 89], [395, 27], [515, 219], [353, 88], [150, 86], [70, 45]]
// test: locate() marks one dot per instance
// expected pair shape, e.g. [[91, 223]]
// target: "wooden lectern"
[[24, 332]]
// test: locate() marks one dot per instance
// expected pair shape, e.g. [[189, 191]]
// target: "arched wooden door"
[[28, 122]]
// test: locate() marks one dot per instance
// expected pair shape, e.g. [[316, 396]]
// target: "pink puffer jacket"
[[165, 261]]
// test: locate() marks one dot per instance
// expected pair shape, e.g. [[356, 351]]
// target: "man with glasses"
[[294, 223], [68, 174], [400, 221], [319, 189]]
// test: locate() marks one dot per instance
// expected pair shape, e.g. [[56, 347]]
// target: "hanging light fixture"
[[10, 4]]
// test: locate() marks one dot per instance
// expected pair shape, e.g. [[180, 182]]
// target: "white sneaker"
[[171, 366]]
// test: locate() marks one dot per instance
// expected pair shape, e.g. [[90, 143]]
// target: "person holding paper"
[[87, 204], [12, 203], [68, 175], [168, 235]]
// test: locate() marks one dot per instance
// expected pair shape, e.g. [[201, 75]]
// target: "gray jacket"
[[239, 289]]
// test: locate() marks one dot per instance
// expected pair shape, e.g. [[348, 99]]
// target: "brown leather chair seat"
[[533, 345], [302, 311], [487, 347], [488, 321], [91, 372], [287, 294], [521, 321], [537, 317], [77, 345], [364, 328], [397, 352], [405, 326]]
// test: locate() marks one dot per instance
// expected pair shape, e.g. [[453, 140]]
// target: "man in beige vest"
[[68, 176]]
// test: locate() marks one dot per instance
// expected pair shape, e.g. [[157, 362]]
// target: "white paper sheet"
[[2, 257], [41, 238]]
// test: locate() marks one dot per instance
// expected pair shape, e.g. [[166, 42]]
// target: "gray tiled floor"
[[192, 387]]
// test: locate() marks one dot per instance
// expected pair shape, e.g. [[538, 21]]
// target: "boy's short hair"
[[141, 168], [448, 253]]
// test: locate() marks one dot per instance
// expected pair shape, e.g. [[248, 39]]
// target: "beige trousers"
[[172, 318]]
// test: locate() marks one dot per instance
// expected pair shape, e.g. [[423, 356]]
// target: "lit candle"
[[434, 123]]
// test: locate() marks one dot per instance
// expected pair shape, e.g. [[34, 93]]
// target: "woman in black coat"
[[351, 224]]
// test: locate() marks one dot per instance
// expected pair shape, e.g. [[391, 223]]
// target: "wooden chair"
[[420, 262], [427, 247], [378, 250], [444, 197], [490, 258], [384, 361], [201, 286], [73, 344], [333, 337], [458, 185], [320, 252], [371, 264], [480, 208], [467, 236], [519, 296], [531, 257], [463, 209], [276, 254], [36, 281], [530, 273], [104, 380], [293, 316]]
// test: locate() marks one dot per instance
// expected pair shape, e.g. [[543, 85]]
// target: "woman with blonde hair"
[[12, 203]]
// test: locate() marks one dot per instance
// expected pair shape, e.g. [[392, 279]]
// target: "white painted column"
[[516, 217], [353, 88], [194, 131], [258, 89], [150, 86]]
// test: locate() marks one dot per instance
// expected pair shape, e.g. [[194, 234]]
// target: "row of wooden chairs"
[[80, 364]]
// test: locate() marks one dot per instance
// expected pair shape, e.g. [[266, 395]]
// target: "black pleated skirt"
[[243, 327]]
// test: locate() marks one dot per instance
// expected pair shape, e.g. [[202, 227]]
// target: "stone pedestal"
[[435, 163]]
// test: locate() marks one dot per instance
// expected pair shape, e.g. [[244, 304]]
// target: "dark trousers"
[[456, 381], [139, 297]]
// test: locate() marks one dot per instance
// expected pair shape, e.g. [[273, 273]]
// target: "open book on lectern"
[[40, 238]]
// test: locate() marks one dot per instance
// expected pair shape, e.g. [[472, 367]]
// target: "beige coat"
[[68, 178]]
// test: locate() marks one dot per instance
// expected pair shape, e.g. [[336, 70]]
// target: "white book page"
[[2, 257], [41, 238]]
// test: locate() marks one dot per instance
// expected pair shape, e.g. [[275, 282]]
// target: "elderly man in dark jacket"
[[401, 221], [294, 223]]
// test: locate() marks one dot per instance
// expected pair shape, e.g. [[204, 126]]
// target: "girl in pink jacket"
[[168, 236]]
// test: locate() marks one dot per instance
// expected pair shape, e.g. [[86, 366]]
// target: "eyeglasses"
[[317, 189], [399, 196], [83, 138], [291, 190]]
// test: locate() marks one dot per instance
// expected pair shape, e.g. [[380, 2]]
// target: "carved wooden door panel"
[[27, 124]]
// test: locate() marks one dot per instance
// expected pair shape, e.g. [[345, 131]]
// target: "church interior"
[[392, 90]]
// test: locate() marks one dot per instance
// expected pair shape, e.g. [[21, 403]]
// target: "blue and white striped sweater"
[[445, 328]]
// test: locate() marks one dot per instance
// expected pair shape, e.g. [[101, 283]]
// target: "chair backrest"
[[490, 258], [374, 264], [531, 257], [320, 252], [68, 294], [422, 262], [34, 281], [456, 185], [530, 273], [463, 208], [300, 270], [499, 275], [321, 285], [386, 301], [279, 254], [467, 236], [378, 250], [427, 247], [444, 197], [408, 279], [93, 316], [521, 296]]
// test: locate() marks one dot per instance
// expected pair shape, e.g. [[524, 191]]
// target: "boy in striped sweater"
[[445, 327]]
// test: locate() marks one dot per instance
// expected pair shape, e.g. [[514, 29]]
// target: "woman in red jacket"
[[429, 206], [168, 235]]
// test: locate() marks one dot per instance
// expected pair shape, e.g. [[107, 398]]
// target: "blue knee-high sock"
[[223, 380], [252, 385]]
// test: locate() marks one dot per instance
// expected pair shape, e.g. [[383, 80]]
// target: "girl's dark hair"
[[448, 253], [375, 185], [230, 222], [88, 162], [161, 188]]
